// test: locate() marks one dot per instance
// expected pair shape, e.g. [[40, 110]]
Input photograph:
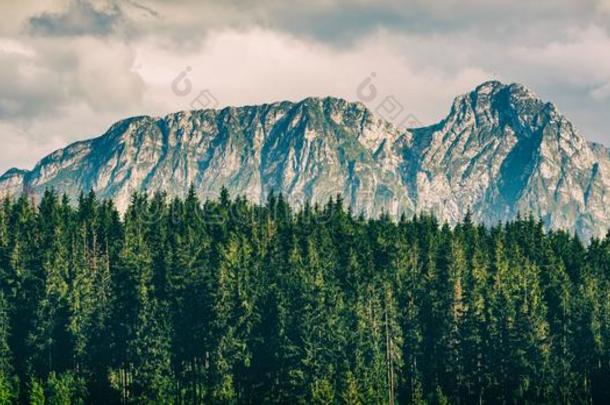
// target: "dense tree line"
[[191, 302]]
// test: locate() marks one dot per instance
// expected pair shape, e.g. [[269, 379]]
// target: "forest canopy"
[[225, 301]]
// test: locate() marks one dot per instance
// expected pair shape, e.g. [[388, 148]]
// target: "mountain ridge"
[[500, 150]]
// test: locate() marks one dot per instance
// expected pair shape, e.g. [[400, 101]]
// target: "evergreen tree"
[[49, 338], [225, 301], [36, 393], [8, 386]]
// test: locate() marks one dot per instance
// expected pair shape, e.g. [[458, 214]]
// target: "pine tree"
[[474, 332], [531, 336], [65, 388], [231, 324], [49, 339], [322, 392], [22, 288], [36, 393], [351, 394], [142, 335], [8, 385]]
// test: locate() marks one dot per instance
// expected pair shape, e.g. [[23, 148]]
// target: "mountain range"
[[500, 151]]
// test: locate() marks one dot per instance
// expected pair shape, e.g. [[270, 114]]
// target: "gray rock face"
[[500, 151], [12, 182]]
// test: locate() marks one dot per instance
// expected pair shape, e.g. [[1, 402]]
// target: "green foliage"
[[36, 393], [322, 392], [9, 389], [227, 302], [351, 394], [65, 389]]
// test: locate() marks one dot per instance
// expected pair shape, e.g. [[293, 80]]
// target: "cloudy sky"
[[70, 68]]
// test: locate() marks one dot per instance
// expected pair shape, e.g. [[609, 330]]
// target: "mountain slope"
[[309, 150], [500, 151]]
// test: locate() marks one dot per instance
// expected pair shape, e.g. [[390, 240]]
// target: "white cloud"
[[602, 93], [604, 6], [75, 83], [79, 17], [10, 46], [582, 59], [45, 76], [257, 66], [22, 149]]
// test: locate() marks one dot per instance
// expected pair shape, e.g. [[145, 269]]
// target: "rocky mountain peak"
[[506, 109], [500, 151], [494, 97]]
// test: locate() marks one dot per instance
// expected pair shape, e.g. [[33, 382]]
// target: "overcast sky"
[[70, 68]]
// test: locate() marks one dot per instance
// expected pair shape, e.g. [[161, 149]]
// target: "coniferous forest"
[[190, 302]]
